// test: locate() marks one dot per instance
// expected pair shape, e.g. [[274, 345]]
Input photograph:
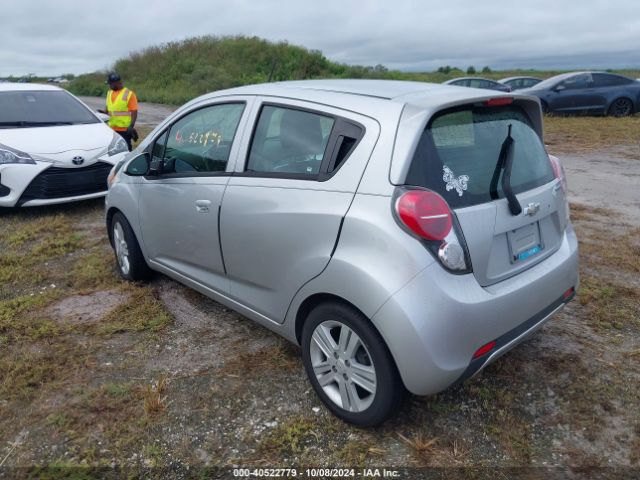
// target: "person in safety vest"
[[122, 107]]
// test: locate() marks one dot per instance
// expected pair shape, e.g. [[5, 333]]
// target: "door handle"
[[202, 206]]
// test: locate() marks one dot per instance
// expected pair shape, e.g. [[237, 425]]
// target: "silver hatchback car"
[[404, 234]]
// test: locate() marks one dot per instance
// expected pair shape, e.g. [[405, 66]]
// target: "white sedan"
[[53, 148]]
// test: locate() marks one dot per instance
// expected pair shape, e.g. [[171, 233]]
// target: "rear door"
[[607, 88], [283, 207], [457, 158]]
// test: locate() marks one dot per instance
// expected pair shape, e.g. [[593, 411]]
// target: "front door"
[[576, 95], [179, 207]]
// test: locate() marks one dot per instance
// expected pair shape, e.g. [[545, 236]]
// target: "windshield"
[[458, 151], [23, 109]]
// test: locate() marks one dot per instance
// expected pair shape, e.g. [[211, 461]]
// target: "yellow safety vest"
[[119, 114]]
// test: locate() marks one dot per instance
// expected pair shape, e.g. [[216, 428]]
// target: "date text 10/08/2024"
[[316, 473]]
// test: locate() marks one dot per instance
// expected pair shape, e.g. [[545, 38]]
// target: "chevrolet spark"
[[404, 234]]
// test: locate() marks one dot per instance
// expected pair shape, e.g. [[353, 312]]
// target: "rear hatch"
[[457, 157]]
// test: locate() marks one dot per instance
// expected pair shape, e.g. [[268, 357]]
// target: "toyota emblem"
[[77, 160]]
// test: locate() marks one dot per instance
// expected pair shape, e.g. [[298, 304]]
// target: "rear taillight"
[[558, 171], [426, 215]]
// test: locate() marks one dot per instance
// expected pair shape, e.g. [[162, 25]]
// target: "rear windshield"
[[33, 109], [458, 152]]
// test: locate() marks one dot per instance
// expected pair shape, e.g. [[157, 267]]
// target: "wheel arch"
[[311, 302], [622, 97], [109, 217]]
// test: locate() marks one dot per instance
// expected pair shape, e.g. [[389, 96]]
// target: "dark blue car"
[[595, 93]]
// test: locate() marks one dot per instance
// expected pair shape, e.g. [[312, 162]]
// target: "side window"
[[604, 80], [579, 81], [201, 141], [157, 153], [289, 141]]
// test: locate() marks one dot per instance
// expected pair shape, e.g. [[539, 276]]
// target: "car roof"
[[381, 89], [364, 96], [469, 78], [26, 87], [517, 77]]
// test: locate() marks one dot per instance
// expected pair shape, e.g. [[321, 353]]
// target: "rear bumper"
[[435, 324], [512, 338]]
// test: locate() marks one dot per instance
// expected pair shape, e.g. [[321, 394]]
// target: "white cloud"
[[47, 38]]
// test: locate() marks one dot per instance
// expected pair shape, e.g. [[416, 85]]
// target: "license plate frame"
[[524, 242]]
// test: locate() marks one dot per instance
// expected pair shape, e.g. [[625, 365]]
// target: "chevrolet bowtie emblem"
[[531, 209]]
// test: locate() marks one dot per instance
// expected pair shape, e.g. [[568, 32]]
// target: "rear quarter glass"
[[458, 151]]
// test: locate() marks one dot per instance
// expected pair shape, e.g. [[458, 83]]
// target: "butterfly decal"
[[459, 184]]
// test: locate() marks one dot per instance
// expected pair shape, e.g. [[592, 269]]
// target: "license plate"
[[524, 242]]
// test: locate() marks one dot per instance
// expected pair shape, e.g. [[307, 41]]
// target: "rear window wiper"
[[505, 161]]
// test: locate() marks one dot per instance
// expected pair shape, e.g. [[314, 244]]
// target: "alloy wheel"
[[622, 107], [343, 366], [122, 250]]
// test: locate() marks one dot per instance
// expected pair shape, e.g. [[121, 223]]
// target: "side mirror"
[[103, 116], [155, 167], [559, 88], [139, 166]]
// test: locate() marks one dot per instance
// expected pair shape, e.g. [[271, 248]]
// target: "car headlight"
[[117, 145], [11, 155]]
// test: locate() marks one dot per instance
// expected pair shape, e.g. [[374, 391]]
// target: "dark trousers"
[[127, 137]]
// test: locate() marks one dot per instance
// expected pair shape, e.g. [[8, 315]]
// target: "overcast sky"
[[48, 37]]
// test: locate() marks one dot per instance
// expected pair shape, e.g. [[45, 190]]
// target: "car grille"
[[57, 182]]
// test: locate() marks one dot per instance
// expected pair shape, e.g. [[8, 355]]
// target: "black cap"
[[113, 77]]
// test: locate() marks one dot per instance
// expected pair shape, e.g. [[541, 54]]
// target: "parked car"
[[518, 83], [478, 82], [53, 148], [404, 234], [596, 93]]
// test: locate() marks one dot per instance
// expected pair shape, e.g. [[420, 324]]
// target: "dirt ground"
[[95, 372]]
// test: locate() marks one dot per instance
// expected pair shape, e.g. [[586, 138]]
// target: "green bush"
[[177, 72]]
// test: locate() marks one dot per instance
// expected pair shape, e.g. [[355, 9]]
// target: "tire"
[[129, 259], [347, 378], [621, 107]]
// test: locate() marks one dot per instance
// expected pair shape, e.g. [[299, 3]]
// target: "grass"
[[280, 357], [289, 438], [144, 311], [96, 270], [153, 399], [581, 134], [610, 305], [25, 370], [23, 317], [421, 447]]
